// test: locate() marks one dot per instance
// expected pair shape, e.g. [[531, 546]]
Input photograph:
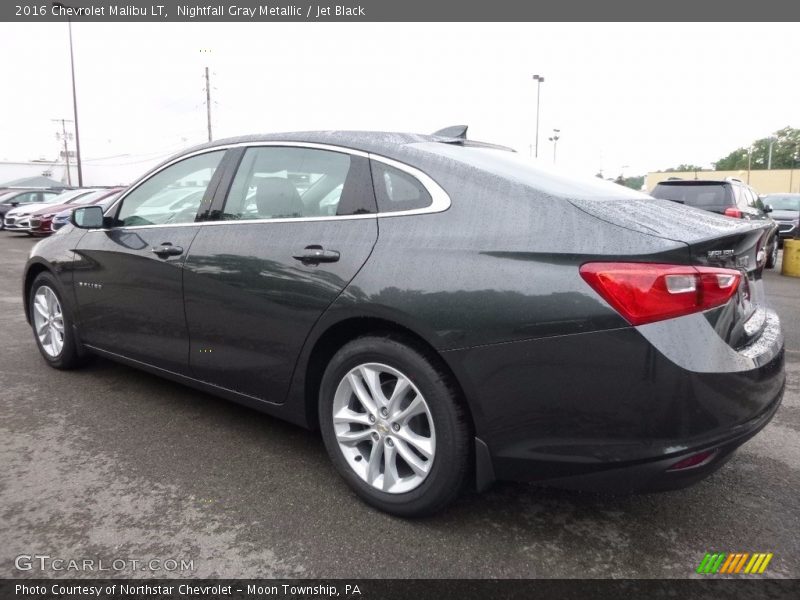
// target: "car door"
[[128, 277], [296, 226]]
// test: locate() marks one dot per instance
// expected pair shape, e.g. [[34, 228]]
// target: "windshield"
[[89, 198], [67, 197], [785, 202]]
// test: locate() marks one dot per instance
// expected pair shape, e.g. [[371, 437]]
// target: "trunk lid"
[[713, 241]]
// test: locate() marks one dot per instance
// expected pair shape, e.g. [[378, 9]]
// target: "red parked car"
[[41, 220]]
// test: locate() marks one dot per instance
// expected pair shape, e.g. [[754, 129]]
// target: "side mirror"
[[767, 208], [87, 217], [14, 203]]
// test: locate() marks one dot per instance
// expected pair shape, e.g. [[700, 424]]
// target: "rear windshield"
[[549, 180], [699, 195]]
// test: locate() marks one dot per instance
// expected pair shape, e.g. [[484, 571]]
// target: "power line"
[[156, 153]]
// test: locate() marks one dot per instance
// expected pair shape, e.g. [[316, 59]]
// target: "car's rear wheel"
[[393, 426], [772, 259], [52, 324]]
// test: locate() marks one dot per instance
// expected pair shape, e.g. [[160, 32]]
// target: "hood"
[[44, 209], [28, 209]]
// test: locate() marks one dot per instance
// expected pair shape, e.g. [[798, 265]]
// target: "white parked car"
[[19, 218]]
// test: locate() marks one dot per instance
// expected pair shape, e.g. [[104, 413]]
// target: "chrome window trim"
[[440, 199]]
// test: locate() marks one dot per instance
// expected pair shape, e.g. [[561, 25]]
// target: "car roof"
[[386, 143], [694, 182]]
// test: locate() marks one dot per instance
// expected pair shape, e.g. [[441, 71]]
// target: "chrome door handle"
[[167, 249], [316, 254]]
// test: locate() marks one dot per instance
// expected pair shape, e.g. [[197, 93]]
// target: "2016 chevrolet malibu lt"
[[443, 311]]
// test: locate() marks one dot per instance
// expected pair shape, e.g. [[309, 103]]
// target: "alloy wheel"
[[384, 428], [48, 320]]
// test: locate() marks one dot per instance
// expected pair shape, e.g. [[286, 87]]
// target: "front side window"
[[753, 200], [396, 190], [172, 195], [275, 182]]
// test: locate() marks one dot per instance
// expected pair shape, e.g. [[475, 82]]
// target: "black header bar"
[[400, 10]]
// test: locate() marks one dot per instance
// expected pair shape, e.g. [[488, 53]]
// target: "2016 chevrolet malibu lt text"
[[445, 312]]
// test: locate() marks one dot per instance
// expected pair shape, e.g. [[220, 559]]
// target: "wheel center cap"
[[382, 427]]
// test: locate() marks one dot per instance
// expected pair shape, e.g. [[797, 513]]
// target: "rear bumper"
[[652, 474], [609, 411]]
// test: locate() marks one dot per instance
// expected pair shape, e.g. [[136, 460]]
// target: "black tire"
[[450, 467], [70, 356], [772, 258]]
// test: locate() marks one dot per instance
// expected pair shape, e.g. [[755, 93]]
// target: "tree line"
[[785, 154]]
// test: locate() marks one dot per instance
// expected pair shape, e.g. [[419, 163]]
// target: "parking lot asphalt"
[[109, 463]]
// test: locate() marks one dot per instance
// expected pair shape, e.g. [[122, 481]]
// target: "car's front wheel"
[[393, 426], [52, 324]]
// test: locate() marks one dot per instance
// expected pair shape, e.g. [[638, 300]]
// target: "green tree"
[[635, 183], [785, 153], [683, 167]]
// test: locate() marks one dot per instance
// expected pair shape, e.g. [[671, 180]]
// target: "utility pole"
[[539, 80], [208, 103], [74, 95], [65, 136]]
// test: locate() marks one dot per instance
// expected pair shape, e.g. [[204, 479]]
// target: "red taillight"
[[645, 292], [733, 212]]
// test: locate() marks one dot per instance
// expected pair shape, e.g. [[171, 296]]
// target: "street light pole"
[[539, 80], [555, 139], [74, 98], [772, 141]]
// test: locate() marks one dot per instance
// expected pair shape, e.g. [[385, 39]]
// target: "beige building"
[[764, 181]]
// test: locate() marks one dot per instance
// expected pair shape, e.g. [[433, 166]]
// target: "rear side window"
[[739, 197], [705, 196], [396, 190], [274, 182]]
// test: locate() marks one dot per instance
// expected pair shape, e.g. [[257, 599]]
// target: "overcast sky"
[[639, 96]]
